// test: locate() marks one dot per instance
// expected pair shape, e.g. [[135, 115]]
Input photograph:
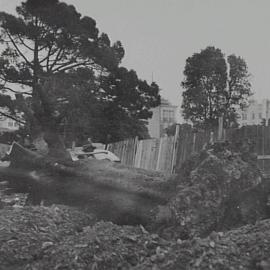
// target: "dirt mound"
[[26, 232], [62, 238], [214, 192], [199, 228], [246, 248]]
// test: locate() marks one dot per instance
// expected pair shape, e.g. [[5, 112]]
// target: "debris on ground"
[[25, 233], [9, 198], [217, 219], [58, 237], [215, 193], [246, 248]]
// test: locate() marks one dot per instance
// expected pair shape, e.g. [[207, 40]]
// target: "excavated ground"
[[60, 237], [216, 219]]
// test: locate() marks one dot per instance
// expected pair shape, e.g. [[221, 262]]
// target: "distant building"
[[255, 113], [7, 124], [163, 116]]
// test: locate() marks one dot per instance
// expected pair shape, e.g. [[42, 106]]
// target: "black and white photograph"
[[134, 134]]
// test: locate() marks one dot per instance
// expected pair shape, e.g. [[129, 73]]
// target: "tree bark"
[[56, 146], [211, 198], [111, 191]]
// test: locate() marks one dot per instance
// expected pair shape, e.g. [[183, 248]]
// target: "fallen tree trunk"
[[214, 193], [111, 191], [97, 173]]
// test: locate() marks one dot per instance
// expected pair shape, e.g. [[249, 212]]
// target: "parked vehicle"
[[78, 153]]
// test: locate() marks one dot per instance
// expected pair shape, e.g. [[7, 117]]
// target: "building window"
[[165, 116], [260, 115], [10, 124], [168, 116], [171, 116], [244, 116], [253, 116]]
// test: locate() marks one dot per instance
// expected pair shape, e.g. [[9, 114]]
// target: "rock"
[[46, 245]]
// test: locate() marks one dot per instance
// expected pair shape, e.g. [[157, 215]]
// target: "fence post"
[[220, 128], [136, 140], [159, 152], [175, 147], [263, 142]]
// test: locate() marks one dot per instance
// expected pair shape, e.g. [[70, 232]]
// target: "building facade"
[[255, 113], [7, 124], [163, 116]]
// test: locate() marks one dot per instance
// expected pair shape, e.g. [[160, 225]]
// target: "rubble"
[[217, 190], [25, 233], [60, 237], [246, 248], [10, 198], [200, 228]]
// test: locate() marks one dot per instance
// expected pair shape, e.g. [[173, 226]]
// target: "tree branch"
[[18, 50], [48, 58], [28, 83], [57, 58], [50, 53], [71, 65], [13, 118], [14, 91], [23, 43]]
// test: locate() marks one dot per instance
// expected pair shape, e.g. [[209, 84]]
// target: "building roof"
[[165, 102]]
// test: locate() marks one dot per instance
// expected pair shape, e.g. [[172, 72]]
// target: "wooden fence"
[[155, 154], [125, 150], [150, 154], [168, 153], [259, 138]]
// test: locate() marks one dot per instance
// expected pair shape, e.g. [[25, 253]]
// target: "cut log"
[[213, 194], [112, 191]]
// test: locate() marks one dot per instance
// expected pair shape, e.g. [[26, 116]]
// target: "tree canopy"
[[214, 85], [69, 70]]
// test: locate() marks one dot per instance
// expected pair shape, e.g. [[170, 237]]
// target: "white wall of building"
[[7, 124], [154, 123], [255, 113], [163, 117]]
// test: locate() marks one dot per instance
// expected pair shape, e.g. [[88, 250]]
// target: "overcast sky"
[[159, 35]]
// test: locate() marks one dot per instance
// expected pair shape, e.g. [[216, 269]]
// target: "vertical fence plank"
[[175, 146], [168, 153]]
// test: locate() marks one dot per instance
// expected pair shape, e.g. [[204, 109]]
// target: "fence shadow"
[[167, 154]]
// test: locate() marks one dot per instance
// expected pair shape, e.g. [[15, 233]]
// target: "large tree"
[[48, 39], [214, 86], [114, 109], [128, 101], [61, 60]]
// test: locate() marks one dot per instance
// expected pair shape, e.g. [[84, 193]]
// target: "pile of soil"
[[25, 232], [60, 237], [201, 226], [246, 248], [217, 190]]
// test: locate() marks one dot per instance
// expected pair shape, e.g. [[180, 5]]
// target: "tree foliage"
[[68, 70], [214, 86], [115, 109], [128, 102], [48, 38]]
